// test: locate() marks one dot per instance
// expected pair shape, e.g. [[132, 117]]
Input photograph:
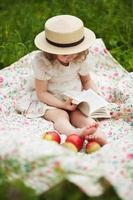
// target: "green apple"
[[93, 146], [71, 146]]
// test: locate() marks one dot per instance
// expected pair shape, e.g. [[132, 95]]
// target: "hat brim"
[[42, 44]]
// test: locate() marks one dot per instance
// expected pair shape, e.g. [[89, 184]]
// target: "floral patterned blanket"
[[41, 164]]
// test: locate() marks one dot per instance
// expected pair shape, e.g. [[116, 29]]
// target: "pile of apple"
[[73, 141]]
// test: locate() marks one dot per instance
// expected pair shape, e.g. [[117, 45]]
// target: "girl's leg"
[[61, 121], [79, 120]]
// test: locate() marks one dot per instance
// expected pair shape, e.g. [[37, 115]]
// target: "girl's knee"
[[62, 114], [74, 113], [56, 114]]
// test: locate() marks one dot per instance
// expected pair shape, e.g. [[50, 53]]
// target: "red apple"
[[76, 140], [71, 146], [92, 147], [53, 136]]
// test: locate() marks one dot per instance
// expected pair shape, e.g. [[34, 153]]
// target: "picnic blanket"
[[42, 164]]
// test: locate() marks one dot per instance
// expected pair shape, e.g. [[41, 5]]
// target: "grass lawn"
[[111, 20], [21, 20], [63, 191]]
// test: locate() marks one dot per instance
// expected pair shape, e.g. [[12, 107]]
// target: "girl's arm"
[[87, 83], [44, 96]]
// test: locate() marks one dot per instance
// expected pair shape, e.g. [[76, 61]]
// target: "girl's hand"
[[68, 105]]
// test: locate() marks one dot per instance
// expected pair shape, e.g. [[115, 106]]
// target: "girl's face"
[[66, 58]]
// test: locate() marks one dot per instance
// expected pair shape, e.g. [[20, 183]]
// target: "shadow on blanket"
[[24, 155]]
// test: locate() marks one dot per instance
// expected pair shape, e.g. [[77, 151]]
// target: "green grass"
[[63, 191], [68, 191], [21, 20]]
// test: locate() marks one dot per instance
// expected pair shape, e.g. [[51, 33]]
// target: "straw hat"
[[63, 35]]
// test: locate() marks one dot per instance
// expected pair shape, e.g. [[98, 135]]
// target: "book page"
[[77, 96], [101, 113], [94, 100], [89, 102]]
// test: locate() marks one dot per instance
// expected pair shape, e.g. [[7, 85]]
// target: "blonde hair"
[[81, 56]]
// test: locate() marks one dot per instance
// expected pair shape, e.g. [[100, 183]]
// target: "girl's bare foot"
[[90, 129], [98, 136]]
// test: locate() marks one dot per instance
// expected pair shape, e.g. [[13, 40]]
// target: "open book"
[[89, 103]]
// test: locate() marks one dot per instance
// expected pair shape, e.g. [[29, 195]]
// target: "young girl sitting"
[[60, 67]]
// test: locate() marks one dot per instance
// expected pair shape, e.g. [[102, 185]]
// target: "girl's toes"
[[99, 139], [96, 124], [88, 131]]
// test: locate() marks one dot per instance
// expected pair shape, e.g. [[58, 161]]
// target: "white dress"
[[60, 79]]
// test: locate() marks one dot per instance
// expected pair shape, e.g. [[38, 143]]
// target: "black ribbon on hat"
[[65, 45]]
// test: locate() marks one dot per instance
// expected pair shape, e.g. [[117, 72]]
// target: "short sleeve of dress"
[[41, 69], [84, 68]]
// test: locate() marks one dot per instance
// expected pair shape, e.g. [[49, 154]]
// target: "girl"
[[61, 66]]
